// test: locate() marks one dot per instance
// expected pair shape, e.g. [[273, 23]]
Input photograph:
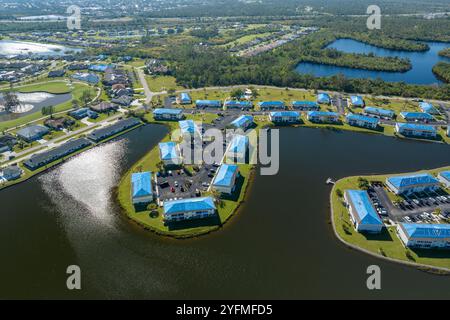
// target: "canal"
[[281, 244], [422, 63]]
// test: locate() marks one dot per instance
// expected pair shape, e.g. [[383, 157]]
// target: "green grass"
[[386, 242], [161, 83]]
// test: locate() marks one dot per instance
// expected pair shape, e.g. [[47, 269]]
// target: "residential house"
[[266, 105], [408, 184], [358, 120], [416, 130], [305, 105], [242, 122], [225, 179], [284, 117], [417, 116], [169, 153], [141, 188], [168, 114], [32, 133], [188, 209], [323, 98], [379, 112], [424, 236], [362, 212], [323, 116]]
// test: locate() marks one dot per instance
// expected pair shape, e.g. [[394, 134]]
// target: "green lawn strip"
[[387, 243]]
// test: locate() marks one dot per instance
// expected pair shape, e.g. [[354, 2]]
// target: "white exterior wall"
[[444, 181], [144, 199], [422, 242], [187, 215]]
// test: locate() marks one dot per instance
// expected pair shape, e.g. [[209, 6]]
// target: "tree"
[[11, 100], [237, 94], [86, 96], [217, 198], [75, 103], [48, 111], [339, 193], [363, 183]]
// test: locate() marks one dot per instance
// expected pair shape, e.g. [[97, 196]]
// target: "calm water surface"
[[33, 102], [10, 47], [280, 246], [422, 63]]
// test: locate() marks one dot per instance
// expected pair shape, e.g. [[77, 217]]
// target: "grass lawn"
[[50, 87], [161, 83], [387, 243]]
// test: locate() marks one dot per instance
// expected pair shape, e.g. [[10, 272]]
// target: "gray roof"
[[32, 131]]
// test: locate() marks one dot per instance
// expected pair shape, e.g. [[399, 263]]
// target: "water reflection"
[[88, 179]]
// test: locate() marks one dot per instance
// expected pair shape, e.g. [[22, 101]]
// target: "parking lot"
[[416, 208], [184, 183]]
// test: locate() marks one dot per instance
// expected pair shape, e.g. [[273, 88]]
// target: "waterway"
[[422, 63], [11, 48], [32, 102], [280, 245]]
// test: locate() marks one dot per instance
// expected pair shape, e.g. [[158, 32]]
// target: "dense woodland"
[[442, 71]]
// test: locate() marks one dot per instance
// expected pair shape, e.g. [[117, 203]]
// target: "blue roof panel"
[[417, 127], [168, 150], [412, 180], [363, 207], [142, 184], [379, 111], [160, 111], [433, 231], [224, 176], [242, 121], [360, 117], [192, 204]]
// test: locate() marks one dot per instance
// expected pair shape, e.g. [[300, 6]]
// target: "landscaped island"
[[154, 217], [387, 241]]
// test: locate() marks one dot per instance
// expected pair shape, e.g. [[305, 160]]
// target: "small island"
[[170, 198]]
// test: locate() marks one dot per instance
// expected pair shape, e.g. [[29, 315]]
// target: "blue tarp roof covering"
[[322, 113], [323, 98], [431, 231], [357, 100], [100, 67], [412, 180], [304, 103], [285, 114], [360, 117], [224, 176], [142, 184], [242, 120], [277, 104], [239, 104], [168, 150], [238, 143], [427, 107], [185, 96], [416, 115], [188, 126], [212, 103], [192, 204], [379, 111], [363, 207], [415, 126], [445, 175], [160, 111]]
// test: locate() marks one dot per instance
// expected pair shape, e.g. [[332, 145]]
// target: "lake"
[[11, 48], [422, 63], [33, 102], [280, 245]]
